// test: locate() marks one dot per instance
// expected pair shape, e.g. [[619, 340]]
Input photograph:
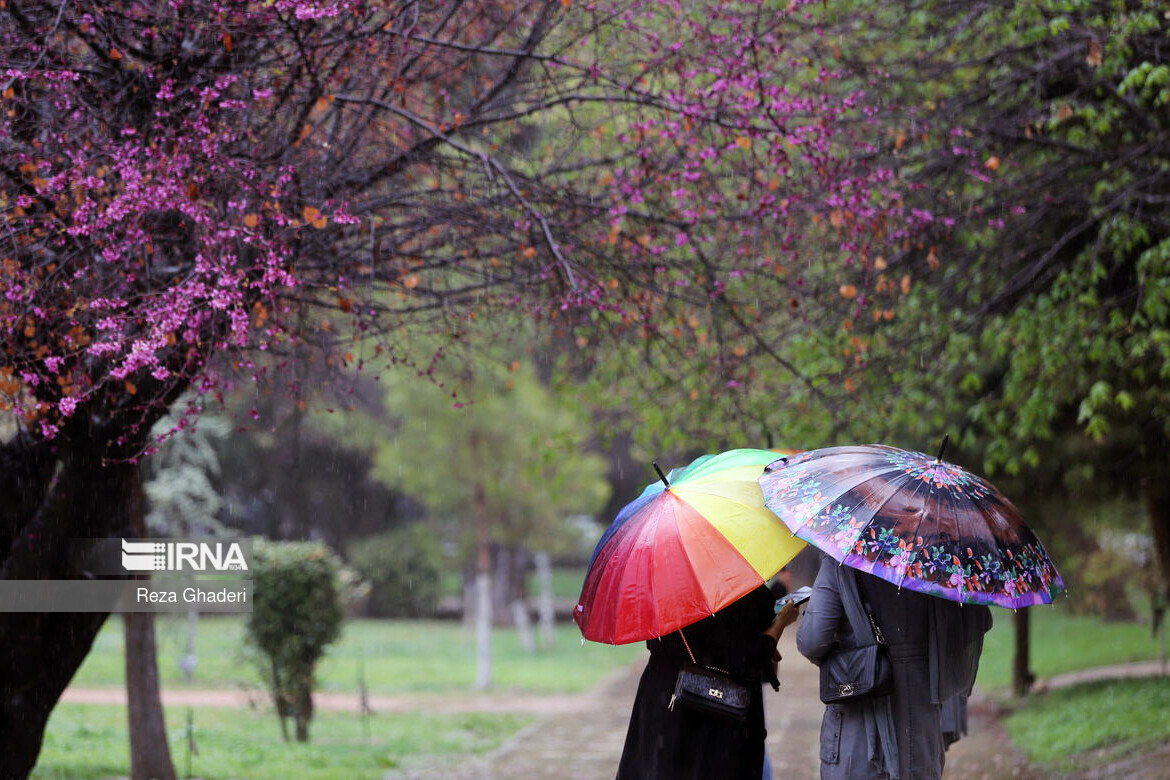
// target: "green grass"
[[90, 742], [1061, 642], [398, 656], [1057, 729]]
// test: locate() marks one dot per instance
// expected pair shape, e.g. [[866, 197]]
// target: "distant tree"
[[297, 612], [184, 499], [403, 569], [498, 458]]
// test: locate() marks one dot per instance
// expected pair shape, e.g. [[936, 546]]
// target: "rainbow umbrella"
[[688, 546], [914, 520]]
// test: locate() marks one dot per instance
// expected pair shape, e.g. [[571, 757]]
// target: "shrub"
[[296, 614], [403, 568]]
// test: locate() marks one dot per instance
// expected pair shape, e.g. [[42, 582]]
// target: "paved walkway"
[[1117, 671], [524, 704]]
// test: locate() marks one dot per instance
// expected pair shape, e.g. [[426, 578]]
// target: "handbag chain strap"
[[878, 636], [877, 631], [687, 645]]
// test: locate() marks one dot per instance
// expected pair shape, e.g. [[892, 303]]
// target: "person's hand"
[[786, 617]]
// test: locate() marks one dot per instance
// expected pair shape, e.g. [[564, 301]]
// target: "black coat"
[[678, 744]]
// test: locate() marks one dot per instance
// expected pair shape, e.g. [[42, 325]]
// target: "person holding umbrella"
[[683, 567], [933, 646], [914, 549], [680, 743]]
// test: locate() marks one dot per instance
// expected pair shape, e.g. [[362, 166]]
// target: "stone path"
[[525, 704], [1115, 672]]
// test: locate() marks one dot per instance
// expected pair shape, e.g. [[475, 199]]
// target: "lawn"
[[1061, 642], [1060, 729], [398, 656], [89, 742], [1087, 724]]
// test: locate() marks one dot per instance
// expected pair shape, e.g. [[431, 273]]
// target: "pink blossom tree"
[[189, 186]]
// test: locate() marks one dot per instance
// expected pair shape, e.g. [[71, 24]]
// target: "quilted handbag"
[[856, 673], [709, 690]]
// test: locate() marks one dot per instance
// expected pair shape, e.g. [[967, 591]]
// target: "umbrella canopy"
[[678, 554], [914, 520]]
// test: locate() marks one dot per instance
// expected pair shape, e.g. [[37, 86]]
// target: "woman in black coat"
[[678, 744]]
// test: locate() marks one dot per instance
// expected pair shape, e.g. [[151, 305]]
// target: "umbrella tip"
[[660, 474], [942, 448]]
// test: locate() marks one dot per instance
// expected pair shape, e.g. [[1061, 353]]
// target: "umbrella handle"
[[660, 474], [942, 448]]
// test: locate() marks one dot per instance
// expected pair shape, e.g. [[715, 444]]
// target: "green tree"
[[1042, 301], [403, 569], [498, 456], [296, 613]]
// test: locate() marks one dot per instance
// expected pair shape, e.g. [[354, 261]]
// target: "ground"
[[586, 742], [580, 736]]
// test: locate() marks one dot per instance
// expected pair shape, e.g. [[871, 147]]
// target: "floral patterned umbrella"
[[914, 520]]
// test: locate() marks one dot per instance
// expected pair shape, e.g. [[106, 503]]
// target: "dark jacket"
[[679, 744]]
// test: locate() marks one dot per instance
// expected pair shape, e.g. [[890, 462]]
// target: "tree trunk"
[[502, 597], [1022, 677], [304, 713], [523, 623], [470, 596], [483, 595], [545, 605], [50, 500], [483, 631], [150, 755], [1157, 491]]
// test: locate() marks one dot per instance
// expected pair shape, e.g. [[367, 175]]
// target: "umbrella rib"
[[918, 527], [691, 567], [615, 595], [1000, 544], [839, 491], [650, 584], [861, 501]]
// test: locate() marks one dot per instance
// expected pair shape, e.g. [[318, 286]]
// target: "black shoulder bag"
[[858, 672], [709, 690]]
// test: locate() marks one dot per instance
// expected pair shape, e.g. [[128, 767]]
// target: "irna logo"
[[182, 556]]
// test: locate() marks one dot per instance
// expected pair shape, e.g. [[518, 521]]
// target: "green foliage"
[[481, 437], [296, 613], [1060, 728], [1071, 106], [403, 569]]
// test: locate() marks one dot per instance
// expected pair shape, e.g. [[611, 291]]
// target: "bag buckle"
[[845, 689]]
